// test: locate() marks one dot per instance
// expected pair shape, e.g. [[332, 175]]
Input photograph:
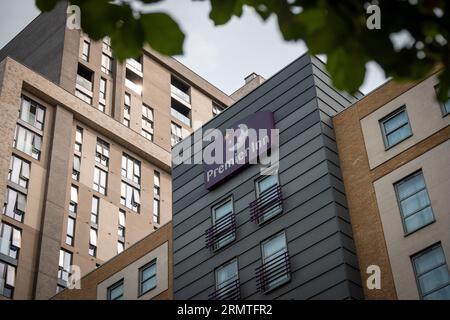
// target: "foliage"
[[335, 28]]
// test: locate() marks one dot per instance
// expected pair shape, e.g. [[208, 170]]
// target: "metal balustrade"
[[267, 205], [274, 272], [221, 233], [231, 291]]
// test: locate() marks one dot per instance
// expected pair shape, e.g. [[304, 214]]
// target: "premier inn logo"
[[251, 141]]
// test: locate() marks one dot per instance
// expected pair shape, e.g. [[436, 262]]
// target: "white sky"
[[222, 55]]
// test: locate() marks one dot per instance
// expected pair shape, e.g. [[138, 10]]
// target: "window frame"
[[214, 221], [154, 262], [96, 185], [390, 116], [258, 194], [265, 260], [116, 285], [236, 277]]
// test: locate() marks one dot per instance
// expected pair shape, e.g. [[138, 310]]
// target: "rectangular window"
[[131, 169], [86, 49], [115, 292], [147, 278], [444, 105], [177, 134], [180, 112], [76, 167], [93, 242], [266, 193], [102, 152], [78, 139], [414, 203], [10, 240], [28, 142], [226, 275], [15, 203], [65, 263], [70, 235], [32, 113], [127, 110], [83, 84], [156, 197], [432, 274], [73, 199], [19, 171], [107, 45], [273, 251], [130, 197], [120, 247], [221, 216], [100, 180], [395, 128], [147, 122], [94, 209], [106, 64], [121, 229], [216, 109], [7, 280], [102, 95]]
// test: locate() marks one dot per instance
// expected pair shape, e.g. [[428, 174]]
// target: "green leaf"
[[162, 33], [223, 10], [46, 5], [347, 69]]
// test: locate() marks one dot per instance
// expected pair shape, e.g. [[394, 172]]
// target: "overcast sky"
[[222, 55]]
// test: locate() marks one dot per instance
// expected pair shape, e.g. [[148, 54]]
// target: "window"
[[147, 278], [156, 195], [86, 49], [127, 110], [133, 81], [147, 122], [216, 109], [106, 64], [444, 105], [120, 246], [78, 139], [32, 113], [19, 171], [266, 193], [65, 262], [177, 134], [102, 95], [180, 90], [102, 152], [70, 234], [10, 240], [130, 197], [93, 242], [107, 44], [121, 229], [100, 180], [414, 202], [94, 209], [115, 292], [181, 112], [76, 167], [272, 252], [432, 274], [84, 84], [131, 168], [220, 214], [7, 280], [28, 142], [73, 199], [226, 275], [396, 128], [15, 204]]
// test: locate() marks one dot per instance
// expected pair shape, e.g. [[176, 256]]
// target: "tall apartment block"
[[85, 168], [394, 149], [284, 236]]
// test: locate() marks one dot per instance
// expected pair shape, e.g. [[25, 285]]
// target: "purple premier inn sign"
[[244, 142]]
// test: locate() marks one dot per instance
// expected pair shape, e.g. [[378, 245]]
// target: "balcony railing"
[[231, 291], [221, 233], [267, 205], [86, 84], [178, 115], [135, 87], [274, 272], [135, 66], [180, 94]]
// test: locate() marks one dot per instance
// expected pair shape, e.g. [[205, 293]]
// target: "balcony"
[[84, 83], [221, 233], [135, 66], [230, 291], [180, 95], [274, 273], [267, 205], [135, 87], [178, 115]]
